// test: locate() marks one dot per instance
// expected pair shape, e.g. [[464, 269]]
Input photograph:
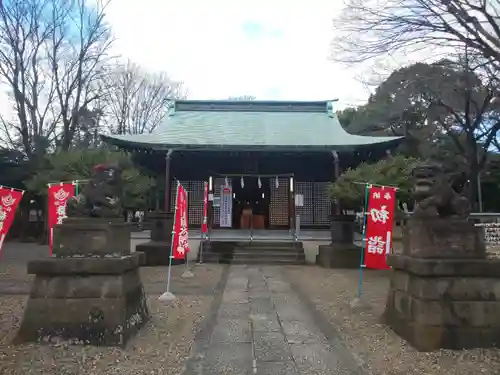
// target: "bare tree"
[[469, 29], [138, 101], [52, 54], [371, 28], [87, 135], [467, 111], [78, 51], [445, 110], [24, 30]]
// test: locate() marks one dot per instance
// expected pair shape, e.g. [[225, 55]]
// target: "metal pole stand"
[[200, 261], [297, 227], [187, 274], [168, 295]]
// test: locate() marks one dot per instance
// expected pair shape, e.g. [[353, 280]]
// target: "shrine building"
[[274, 157]]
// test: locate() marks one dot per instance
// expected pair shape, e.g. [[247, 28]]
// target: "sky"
[[274, 49]]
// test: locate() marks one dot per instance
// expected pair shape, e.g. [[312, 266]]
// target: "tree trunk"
[[474, 188]]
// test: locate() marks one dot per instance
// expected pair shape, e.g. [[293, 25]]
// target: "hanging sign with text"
[[181, 230], [204, 224], [58, 196], [379, 224], [9, 200], [226, 206]]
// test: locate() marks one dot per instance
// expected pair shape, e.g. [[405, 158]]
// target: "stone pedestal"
[[442, 239], [86, 294], [341, 253], [339, 256], [89, 237], [443, 292], [157, 250], [342, 229], [162, 224]]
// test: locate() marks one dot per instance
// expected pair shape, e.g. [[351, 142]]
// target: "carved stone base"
[[339, 256], [442, 238], [156, 253], [451, 304], [92, 237], [161, 226], [342, 229], [97, 301]]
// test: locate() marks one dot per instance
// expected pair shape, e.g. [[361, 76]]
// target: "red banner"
[[9, 200], [379, 224], [204, 225], [180, 241], [57, 197]]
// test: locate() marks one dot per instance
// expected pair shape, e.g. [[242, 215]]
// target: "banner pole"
[[50, 232], [65, 182], [12, 189], [204, 223], [168, 296], [363, 242], [187, 274], [2, 239]]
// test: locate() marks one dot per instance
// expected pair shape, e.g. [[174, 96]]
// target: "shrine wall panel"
[[306, 212], [322, 203], [278, 205], [218, 182], [195, 200], [316, 208]]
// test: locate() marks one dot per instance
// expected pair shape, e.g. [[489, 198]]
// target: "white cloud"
[[272, 49]]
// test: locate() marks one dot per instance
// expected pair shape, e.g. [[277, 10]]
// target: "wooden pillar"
[[157, 199], [168, 180], [336, 166]]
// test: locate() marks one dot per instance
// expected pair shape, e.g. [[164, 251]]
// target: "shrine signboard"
[[491, 233]]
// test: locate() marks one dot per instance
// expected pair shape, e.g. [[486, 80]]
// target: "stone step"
[[256, 244], [277, 261], [258, 250], [245, 258], [268, 254], [254, 252], [268, 249]]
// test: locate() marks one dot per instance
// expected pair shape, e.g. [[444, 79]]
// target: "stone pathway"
[[262, 326]]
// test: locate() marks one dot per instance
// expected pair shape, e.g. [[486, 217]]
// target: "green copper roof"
[[249, 125]]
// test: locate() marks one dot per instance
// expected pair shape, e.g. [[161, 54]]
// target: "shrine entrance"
[[250, 203], [223, 142]]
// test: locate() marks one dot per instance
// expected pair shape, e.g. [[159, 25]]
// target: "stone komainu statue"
[[101, 196], [434, 195]]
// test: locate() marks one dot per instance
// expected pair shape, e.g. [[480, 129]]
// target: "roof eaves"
[[129, 144]]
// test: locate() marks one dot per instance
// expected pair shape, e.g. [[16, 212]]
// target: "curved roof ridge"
[[251, 106], [216, 127]]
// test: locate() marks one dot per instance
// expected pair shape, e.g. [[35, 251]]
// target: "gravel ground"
[[383, 351], [14, 272], [161, 347]]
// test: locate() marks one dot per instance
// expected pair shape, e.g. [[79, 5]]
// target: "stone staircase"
[[252, 252]]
